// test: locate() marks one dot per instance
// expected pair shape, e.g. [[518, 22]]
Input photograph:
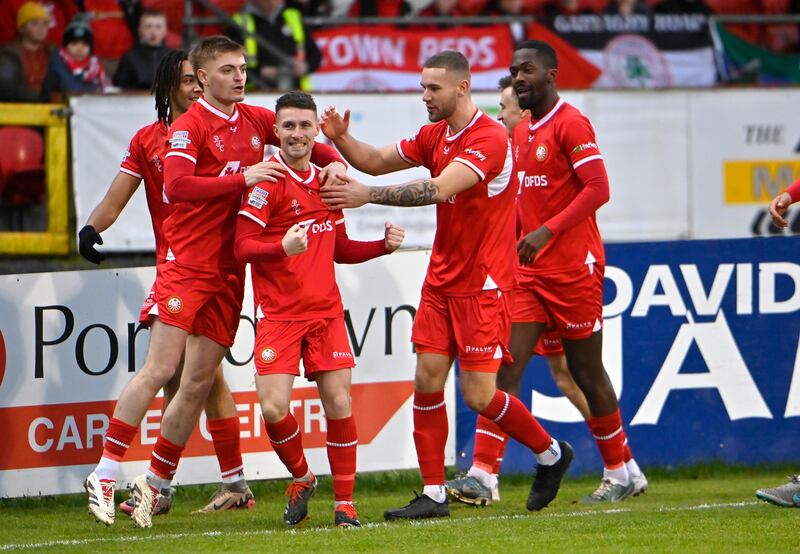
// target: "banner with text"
[[701, 344], [384, 58], [69, 343], [642, 51]]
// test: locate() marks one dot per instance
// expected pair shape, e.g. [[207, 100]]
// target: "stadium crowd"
[[55, 47]]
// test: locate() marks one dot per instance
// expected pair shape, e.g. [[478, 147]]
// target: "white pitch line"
[[438, 521]]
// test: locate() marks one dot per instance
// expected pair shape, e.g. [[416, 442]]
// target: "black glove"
[[87, 238]]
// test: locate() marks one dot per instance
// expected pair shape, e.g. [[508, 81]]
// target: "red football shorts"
[[570, 302], [549, 345], [321, 343], [201, 302], [149, 308], [474, 328]]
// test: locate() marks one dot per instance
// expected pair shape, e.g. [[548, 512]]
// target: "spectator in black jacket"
[[137, 68]]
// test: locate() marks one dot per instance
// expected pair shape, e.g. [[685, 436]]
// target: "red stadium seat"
[[21, 164]]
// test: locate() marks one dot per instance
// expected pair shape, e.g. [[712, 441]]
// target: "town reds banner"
[[701, 344], [383, 58], [69, 342]]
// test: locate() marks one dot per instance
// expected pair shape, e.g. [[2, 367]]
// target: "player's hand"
[[532, 243], [333, 173], [778, 207], [263, 171], [87, 238], [295, 241], [333, 125], [348, 194], [393, 236]]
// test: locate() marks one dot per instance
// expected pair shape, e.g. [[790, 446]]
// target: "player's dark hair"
[[504, 83], [211, 47], [449, 60], [543, 51], [168, 79], [296, 99]]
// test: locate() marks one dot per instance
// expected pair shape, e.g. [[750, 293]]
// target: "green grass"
[[704, 509]]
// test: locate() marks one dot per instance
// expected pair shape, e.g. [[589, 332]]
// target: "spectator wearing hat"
[[23, 63], [137, 68], [74, 68]]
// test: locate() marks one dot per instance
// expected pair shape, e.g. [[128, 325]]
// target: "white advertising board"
[[69, 344]]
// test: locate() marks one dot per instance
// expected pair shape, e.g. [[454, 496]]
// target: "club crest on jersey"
[[541, 153], [268, 355], [257, 197], [180, 139], [296, 206], [174, 304], [157, 163], [218, 143], [255, 143]]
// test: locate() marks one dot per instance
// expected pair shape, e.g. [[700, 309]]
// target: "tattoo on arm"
[[415, 193]]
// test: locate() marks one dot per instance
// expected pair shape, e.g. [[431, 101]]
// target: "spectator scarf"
[[88, 70]]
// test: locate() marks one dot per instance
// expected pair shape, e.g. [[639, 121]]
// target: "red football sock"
[[610, 438], [165, 458], [499, 463], [225, 436], [430, 435], [288, 444], [118, 439], [627, 454], [515, 420], [342, 441], [490, 443]]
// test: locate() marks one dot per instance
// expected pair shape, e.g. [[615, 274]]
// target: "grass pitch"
[[704, 509]]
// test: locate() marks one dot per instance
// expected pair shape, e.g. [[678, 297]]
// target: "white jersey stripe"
[[586, 160]]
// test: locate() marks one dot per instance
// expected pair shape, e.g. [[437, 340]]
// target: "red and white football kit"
[[561, 183], [465, 305], [549, 345], [299, 306], [144, 160], [201, 289]]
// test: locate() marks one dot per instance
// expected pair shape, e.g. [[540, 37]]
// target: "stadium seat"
[[21, 165]]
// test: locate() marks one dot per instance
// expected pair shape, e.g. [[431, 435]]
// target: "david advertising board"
[[701, 344]]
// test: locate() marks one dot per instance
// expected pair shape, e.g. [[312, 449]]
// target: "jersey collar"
[[311, 174], [451, 138], [215, 111], [548, 116]]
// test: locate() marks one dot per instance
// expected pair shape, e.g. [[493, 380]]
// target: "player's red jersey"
[[144, 159], [303, 286], [201, 233], [546, 154], [474, 243]]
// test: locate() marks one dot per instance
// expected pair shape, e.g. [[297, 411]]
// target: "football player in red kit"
[[216, 152], [562, 182], [292, 240], [175, 89], [465, 307]]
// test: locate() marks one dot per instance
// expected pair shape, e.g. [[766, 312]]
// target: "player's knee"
[[338, 405], [476, 398], [274, 410], [158, 375]]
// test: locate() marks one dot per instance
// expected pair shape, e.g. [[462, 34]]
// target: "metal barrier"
[[55, 240]]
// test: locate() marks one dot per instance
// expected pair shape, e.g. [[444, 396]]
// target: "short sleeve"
[[578, 140], [185, 138], [484, 151], [132, 164], [415, 150], [256, 202]]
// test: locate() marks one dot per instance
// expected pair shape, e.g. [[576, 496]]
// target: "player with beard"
[[465, 306], [562, 184]]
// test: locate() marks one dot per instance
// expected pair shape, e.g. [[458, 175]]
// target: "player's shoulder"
[[252, 111], [155, 131], [568, 113], [190, 119], [486, 126], [429, 130]]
